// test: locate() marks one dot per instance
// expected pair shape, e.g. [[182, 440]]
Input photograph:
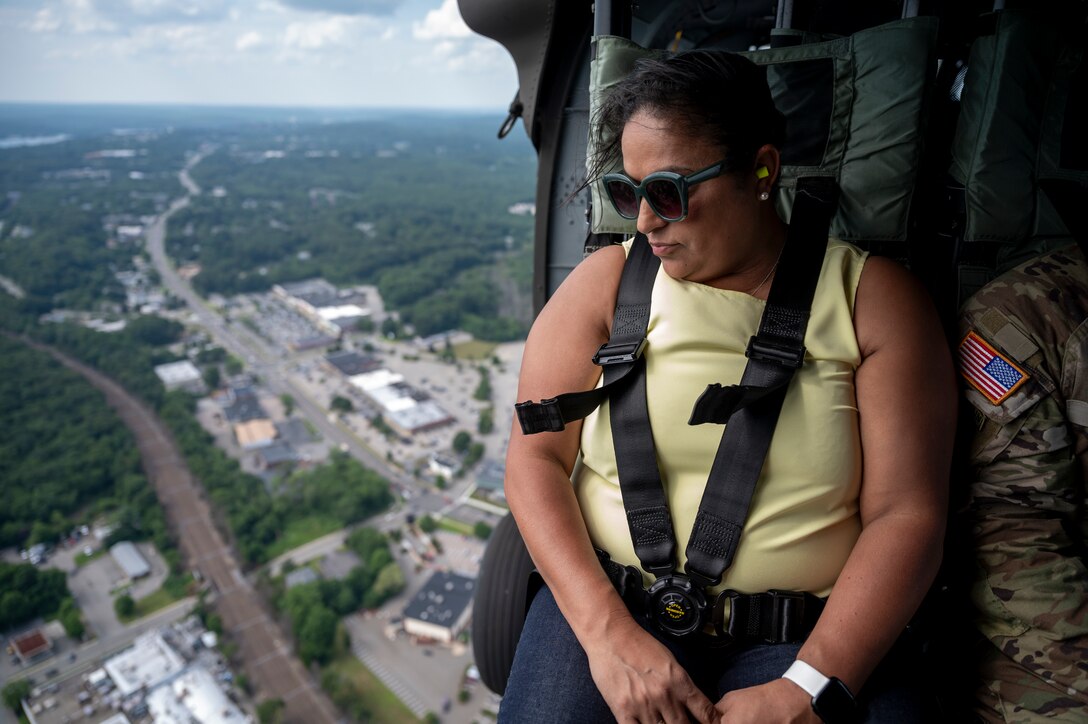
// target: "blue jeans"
[[550, 682]]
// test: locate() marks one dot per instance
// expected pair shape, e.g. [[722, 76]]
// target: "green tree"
[[154, 331], [14, 693], [486, 422], [70, 619], [317, 635], [390, 582], [212, 377], [288, 404], [427, 524], [270, 711], [482, 530], [233, 366], [124, 607], [461, 441], [475, 452], [341, 404], [483, 390], [390, 328]]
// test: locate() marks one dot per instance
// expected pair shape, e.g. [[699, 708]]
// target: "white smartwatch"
[[831, 698]]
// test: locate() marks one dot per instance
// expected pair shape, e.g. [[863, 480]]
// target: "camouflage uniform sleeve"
[[1027, 493]]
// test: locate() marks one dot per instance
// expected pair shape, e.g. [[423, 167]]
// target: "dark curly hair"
[[711, 94]]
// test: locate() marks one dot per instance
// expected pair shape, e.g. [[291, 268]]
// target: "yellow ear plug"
[[762, 172]]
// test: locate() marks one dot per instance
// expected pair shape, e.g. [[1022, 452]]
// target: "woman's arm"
[[637, 676], [906, 399]]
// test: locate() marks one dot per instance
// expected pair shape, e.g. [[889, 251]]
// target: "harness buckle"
[[774, 349], [619, 354], [543, 416]]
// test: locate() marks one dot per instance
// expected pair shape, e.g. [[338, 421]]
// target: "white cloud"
[[71, 16], [46, 21], [346, 7], [248, 41], [445, 22], [389, 33], [317, 34]]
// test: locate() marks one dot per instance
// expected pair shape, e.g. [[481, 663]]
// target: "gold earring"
[[763, 195]]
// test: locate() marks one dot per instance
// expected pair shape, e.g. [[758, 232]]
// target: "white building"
[[147, 663], [130, 559], [194, 696], [181, 375]]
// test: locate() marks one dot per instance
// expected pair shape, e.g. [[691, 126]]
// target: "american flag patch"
[[990, 372]]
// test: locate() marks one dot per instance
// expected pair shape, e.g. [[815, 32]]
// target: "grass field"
[[302, 531], [455, 526], [153, 602], [474, 350], [360, 694]]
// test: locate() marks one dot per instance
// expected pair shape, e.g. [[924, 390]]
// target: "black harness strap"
[[751, 408], [774, 354], [619, 356]]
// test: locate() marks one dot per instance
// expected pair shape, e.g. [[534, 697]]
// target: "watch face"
[[835, 703]]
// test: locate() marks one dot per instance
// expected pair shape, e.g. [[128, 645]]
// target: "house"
[[254, 433], [274, 455], [32, 645]]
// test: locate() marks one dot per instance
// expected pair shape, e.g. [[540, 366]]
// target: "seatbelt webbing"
[[619, 356], [774, 354]]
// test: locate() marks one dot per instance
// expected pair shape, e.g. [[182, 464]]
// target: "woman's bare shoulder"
[[892, 308], [589, 292]]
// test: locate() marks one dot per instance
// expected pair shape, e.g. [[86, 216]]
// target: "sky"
[[355, 53]]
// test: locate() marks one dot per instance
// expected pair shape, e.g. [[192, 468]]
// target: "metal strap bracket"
[[619, 353], [773, 349]]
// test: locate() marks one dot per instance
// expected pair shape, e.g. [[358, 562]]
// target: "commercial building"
[[149, 662], [403, 408], [130, 559], [181, 375], [193, 696], [328, 308], [350, 363], [442, 608]]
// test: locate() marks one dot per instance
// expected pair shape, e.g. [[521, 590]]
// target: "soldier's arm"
[[1026, 503]]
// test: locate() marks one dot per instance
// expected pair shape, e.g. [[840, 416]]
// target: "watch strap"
[[807, 677]]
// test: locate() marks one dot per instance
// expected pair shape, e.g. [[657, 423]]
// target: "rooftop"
[[130, 559], [148, 662], [442, 600], [352, 363]]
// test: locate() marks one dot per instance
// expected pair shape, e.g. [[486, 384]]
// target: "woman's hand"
[[640, 679], [777, 702]]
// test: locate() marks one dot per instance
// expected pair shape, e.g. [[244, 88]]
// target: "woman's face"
[[724, 238]]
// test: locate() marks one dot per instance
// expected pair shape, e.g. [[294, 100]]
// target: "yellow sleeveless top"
[[803, 521]]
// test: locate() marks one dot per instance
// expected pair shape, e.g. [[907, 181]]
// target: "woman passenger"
[[851, 501]]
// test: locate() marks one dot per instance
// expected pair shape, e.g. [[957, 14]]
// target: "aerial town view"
[[283, 478]]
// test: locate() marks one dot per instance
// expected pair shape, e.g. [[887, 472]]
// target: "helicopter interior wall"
[[565, 203]]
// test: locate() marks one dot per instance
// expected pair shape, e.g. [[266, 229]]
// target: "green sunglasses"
[[665, 191]]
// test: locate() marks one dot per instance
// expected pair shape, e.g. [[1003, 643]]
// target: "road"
[[268, 661], [260, 358]]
